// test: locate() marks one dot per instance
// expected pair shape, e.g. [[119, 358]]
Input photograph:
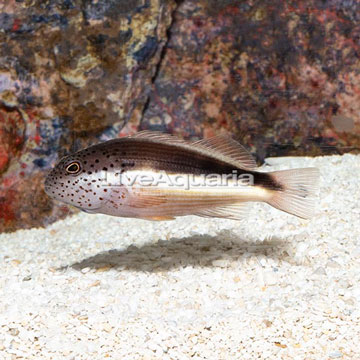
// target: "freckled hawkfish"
[[157, 176]]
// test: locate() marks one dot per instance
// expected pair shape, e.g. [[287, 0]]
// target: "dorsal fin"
[[230, 148], [158, 136], [220, 147]]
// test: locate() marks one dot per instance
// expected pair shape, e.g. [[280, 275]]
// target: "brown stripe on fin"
[[220, 147], [234, 211], [298, 194]]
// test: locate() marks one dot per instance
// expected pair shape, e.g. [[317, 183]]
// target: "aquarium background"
[[282, 77]]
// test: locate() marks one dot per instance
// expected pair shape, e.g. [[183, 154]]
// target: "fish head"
[[77, 180]]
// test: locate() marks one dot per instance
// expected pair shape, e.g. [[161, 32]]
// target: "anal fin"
[[234, 211], [158, 218]]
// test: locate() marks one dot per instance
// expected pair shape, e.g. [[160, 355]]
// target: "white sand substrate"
[[271, 287]]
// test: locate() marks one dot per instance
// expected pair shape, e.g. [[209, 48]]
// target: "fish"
[[157, 176]]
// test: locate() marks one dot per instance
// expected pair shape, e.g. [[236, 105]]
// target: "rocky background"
[[281, 76]]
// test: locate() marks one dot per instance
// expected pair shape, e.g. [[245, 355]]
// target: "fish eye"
[[73, 168]]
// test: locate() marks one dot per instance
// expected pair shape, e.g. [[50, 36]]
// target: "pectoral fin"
[[146, 197]]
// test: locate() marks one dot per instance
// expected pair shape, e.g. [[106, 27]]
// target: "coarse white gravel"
[[271, 287]]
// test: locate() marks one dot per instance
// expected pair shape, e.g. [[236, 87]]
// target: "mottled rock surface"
[[71, 73], [284, 76]]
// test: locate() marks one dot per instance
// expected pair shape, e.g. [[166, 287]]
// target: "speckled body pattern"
[[151, 153], [89, 192]]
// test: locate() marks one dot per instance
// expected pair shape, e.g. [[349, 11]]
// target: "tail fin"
[[298, 195]]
